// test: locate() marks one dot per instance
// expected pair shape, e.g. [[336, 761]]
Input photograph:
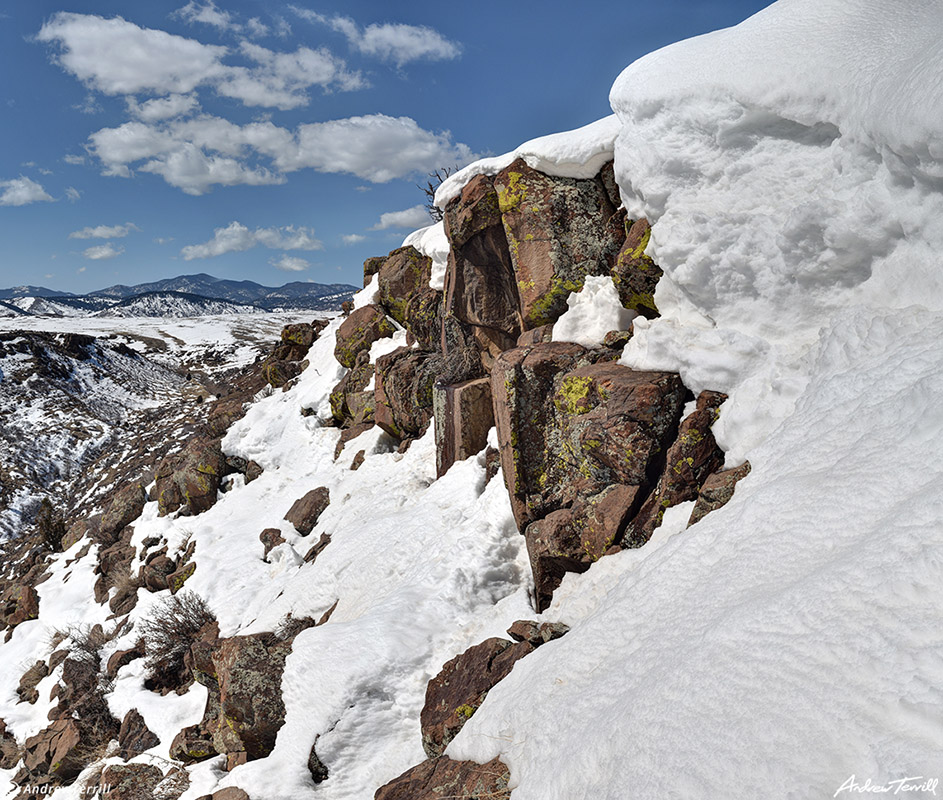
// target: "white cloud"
[[290, 263], [44, 171], [353, 238], [105, 231], [22, 191], [195, 154], [71, 159], [80, 270], [163, 239], [236, 237], [89, 105], [411, 218], [394, 42], [160, 108], [208, 14], [101, 252], [117, 57], [72, 194]]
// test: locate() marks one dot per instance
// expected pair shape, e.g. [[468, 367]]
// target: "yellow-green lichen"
[[572, 397], [511, 197], [465, 711]]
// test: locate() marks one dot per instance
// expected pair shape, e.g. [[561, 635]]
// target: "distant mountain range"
[[184, 296]]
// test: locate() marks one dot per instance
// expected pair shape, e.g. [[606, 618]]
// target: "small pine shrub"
[[50, 525]]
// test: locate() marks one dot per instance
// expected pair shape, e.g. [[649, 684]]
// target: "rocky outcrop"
[[134, 737], [634, 274], [557, 234], [18, 603], [717, 491], [26, 690], [404, 293], [360, 330], [285, 361], [444, 778], [190, 480], [306, 511], [404, 381], [463, 416], [54, 754], [129, 782], [351, 402], [126, 507]]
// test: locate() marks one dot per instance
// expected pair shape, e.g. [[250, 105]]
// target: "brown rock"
[[126, 507], [317, 768], [463, 417], [305, 511], [572, 539], [536, 335], [537, 633], [120, 658], [360, 330], [135, 737], [191, 479], [404, 381], [634, 274], [403, 276], [717, 491], [371, 267], [301, 334], [442, 778], [129, 781], [454, 695], [192, 745], [26, 690], [253, 471], [691, 458], [270, 537], [55, 751], [177, 578], [480, 291], [358, 460], [19, 603], [557, 234], [348, 435], [230, 793], [155, 573], [315, 551], [9, 751], [352, 384]]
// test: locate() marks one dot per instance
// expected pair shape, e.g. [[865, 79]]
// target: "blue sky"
[[279, 141]]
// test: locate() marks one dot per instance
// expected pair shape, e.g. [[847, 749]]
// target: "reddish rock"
[[442, 778], [557, 233], [154, 573], [270, 538], [691, 458], [617, 340], [572, 539], [191, 478], [463, 417], [569, 428], [77, 531], [537, 633], [634, 274], [454, 695], [135, 737], [55, 751], [19, 603], [717, 491], [9, 751], [177, 578], [253, 471], [192, 745], [249, 673], [358, 460], [301, 334], [127, 506], [536, 335], [404, 381], [348, 435], [480, 291], [403, 276], [315, 551], [129, 781], [349, 406], [121, 658], [359, 331], [305, 511], [371, 267], [26, 690]]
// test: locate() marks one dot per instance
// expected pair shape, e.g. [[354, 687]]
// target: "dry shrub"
[[174, 625]]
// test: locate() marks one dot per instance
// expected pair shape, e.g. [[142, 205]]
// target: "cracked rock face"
[[444, 778]]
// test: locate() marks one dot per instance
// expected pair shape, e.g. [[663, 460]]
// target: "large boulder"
[[558, 232], [26, 690], [55, 752], [460, 688], [359, 331], [404, 274], [404, 382], [190, 479], [127, 506], [692, 456], [249, 673], [135, 737], [480, 290], [634, 274], [569, 427], [444, 778], [463, 416], [351, 401], [305, 511], [18, 603]]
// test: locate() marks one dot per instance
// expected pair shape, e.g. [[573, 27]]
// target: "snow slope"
[[782, 644]]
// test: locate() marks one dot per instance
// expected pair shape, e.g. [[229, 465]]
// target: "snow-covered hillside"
[[790, 168]]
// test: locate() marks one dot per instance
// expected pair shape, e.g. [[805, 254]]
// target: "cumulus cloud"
[[236, 237], [352, 238], [73, 159], [195, 154], [105, 231], [160, 108], [411, 218], [208, 14], [117, 57], [100, 252], [289, 263], [393, 42], [22, 191], [72, 194]]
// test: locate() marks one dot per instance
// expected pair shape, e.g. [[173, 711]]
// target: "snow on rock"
[[432, 242], [591, 313], [571, 154]]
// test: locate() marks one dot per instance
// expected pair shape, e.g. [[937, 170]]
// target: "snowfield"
[[791, 167]]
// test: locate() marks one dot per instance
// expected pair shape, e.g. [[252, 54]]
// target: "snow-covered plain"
[[784, 643]]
